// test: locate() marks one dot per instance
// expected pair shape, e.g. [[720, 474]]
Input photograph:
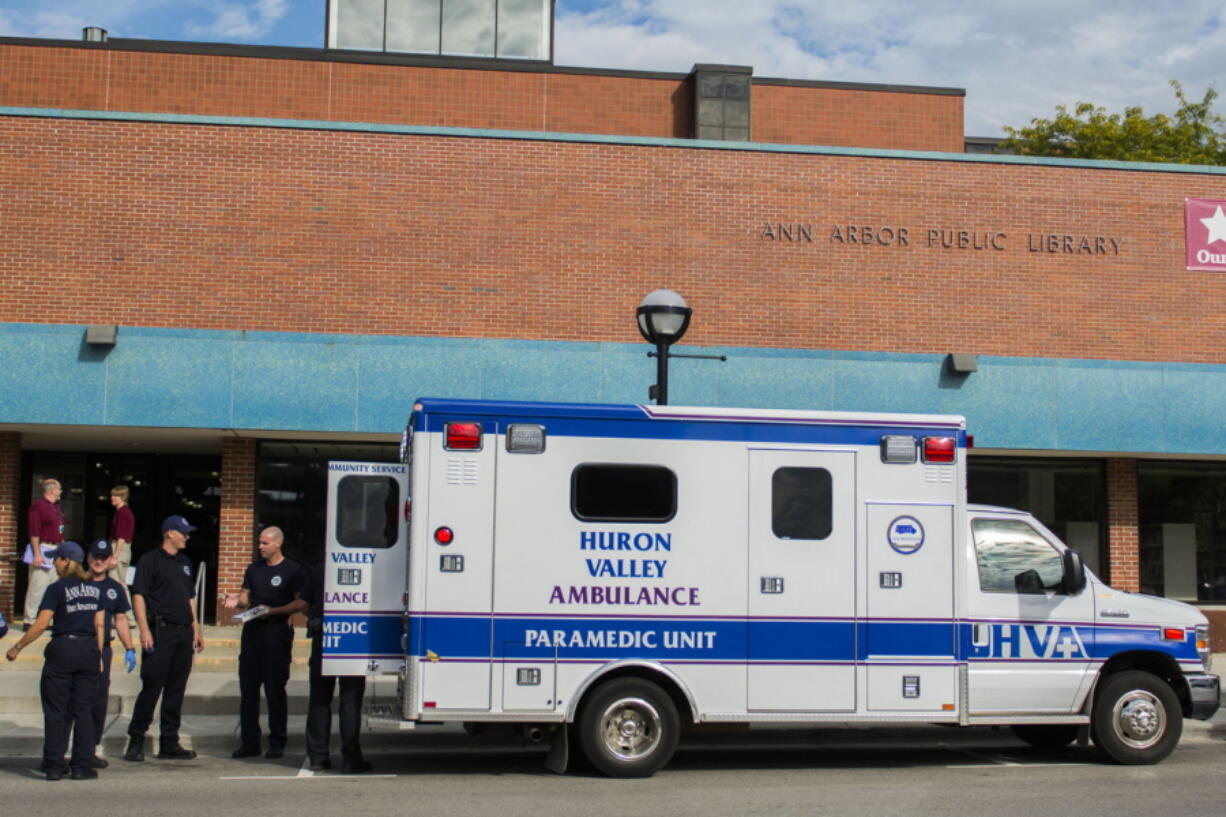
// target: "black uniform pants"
[[263, 661], [319, 713], [163, 674], [104, 693], [68, 687]]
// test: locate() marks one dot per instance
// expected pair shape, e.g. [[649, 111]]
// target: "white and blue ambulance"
[[611, 574]]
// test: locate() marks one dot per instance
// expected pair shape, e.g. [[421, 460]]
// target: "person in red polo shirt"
[[46, 528], [123, 527]]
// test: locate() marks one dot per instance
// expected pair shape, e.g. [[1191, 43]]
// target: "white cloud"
[[1016, 61], [242, 21]]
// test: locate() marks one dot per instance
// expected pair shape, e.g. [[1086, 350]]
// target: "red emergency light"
[[462, 437], [1173, 634], [444, 535], [940, 449]]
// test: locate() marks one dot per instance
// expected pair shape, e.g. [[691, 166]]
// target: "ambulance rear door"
[[365, 568]]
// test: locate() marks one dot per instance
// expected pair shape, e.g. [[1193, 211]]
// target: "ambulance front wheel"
[[629, 727], [1137, 719]]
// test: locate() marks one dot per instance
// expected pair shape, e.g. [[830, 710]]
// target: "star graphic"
[[1216, 225]]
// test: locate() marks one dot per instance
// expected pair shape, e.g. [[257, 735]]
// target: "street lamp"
[[663, 318]]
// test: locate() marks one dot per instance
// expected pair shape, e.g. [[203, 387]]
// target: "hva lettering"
[[1059, 641]]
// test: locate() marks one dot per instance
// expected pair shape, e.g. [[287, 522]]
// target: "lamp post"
[[663, 318]]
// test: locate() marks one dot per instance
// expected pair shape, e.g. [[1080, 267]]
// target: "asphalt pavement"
[[726, 771]]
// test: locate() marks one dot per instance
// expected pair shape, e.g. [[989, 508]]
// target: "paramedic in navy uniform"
[[71, 663], [319, 712], [163, 596], [115, 606], [275, 582]]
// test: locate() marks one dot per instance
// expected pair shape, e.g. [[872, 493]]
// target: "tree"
[[1192, 136]]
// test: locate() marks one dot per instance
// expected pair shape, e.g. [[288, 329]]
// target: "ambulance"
[[609, 575]]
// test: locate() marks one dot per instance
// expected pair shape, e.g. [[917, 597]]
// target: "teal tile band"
[[366, 383]]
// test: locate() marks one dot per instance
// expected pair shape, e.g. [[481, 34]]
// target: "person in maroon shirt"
[[123, 527], [46, 529]]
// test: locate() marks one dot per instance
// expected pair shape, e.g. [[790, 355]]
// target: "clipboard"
[[28, 556]]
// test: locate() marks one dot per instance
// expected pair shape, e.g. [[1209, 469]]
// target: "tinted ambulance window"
[[623, 493], [801, 503], [367, 511], [1014, 558]]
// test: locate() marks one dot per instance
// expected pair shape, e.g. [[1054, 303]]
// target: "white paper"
[[28, 556], [250, 615]]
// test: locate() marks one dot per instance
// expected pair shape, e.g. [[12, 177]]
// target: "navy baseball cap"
[[100, 550], [69, 550], [178, 523]]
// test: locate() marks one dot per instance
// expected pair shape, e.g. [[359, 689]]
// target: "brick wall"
[[102, 79], [794, 115], [236, 540], [452, 236], [1123, 538], [10, 548]]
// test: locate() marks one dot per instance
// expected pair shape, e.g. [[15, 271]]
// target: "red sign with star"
[[1205, 234]]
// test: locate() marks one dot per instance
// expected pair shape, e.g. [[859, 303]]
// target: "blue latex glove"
[[129, 659]]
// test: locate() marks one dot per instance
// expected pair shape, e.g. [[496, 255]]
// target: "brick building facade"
[[294, 244]]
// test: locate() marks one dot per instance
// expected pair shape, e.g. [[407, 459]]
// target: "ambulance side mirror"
[[1074, 573]]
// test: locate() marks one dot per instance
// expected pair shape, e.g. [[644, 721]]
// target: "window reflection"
[[359, 24], [1014, 558], [521, 29], [468, 27], [413, 26], [513, 29]]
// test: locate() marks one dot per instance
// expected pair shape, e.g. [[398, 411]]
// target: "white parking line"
[[304, 773]]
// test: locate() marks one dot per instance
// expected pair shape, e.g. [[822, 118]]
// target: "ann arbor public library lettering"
[[941, 238]]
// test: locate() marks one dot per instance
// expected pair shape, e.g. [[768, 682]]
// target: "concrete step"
[[221, 649]]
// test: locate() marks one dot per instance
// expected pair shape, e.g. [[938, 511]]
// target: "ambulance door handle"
[[979, 635]]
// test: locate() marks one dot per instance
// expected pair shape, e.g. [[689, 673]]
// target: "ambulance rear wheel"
[[1137, 718], [629, 728], [1049, 738]]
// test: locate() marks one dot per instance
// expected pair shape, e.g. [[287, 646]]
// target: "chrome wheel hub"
[[630, 728], [1139, 719]]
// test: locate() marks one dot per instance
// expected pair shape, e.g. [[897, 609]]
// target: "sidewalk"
[[210, 707], [220, 651]]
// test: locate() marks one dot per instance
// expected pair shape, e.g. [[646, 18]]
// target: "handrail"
[[201, 574]]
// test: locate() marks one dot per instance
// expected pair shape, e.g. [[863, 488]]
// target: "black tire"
[[628, 727], [1137, 719], [1049, 738]]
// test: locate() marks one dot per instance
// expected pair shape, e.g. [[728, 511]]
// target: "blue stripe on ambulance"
[[723, 640], [362, 635]]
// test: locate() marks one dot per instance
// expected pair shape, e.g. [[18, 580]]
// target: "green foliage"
[[1192, 136]]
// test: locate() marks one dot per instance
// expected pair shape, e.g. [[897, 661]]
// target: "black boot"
[[136, 748]]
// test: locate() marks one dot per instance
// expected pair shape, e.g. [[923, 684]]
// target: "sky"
[[1016, 60]]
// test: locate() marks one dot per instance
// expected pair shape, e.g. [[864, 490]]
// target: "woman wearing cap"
[[72, 662]]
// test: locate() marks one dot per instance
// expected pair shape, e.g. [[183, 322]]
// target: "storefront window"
[[1068, 496], [1183, 530]]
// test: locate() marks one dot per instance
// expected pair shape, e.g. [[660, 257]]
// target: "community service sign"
[[1205, 234]]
